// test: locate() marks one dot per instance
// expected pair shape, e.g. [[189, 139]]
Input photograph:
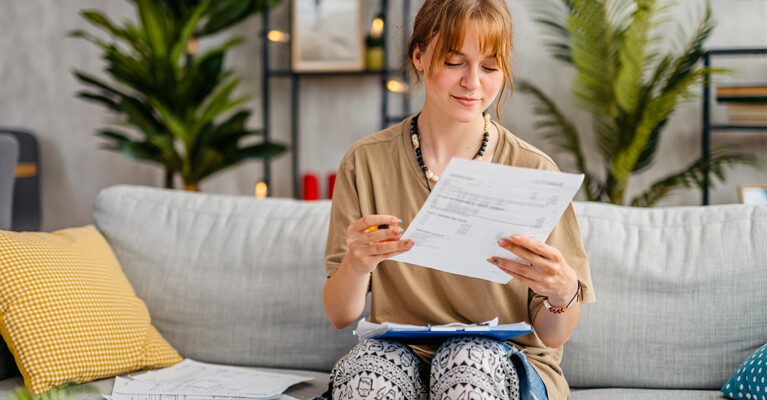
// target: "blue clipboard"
[[437, 333], [425, 336]]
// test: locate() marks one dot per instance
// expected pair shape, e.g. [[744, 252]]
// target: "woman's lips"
[[466, 101]]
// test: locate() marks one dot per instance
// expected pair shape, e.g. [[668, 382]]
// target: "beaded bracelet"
[[560, 310]]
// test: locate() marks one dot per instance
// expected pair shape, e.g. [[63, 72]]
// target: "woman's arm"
[[344, 292], [548, 275]]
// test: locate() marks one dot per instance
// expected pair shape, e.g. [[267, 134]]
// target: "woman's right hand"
[[369, 247]]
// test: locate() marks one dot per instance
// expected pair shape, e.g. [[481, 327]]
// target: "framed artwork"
[[755, 193], [327, 35]]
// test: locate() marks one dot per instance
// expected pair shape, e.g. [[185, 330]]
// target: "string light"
[[396, 86], [377, 28], [261, 190], [278, 36]]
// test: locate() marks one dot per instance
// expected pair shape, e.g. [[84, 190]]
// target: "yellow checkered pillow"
[[69, 314]]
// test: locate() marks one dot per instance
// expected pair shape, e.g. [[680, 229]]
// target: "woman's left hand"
[[548, 273]]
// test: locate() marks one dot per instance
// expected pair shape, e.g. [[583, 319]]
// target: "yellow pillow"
[[69, 314]]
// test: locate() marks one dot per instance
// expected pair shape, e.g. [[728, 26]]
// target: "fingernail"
[[409, 243], [393, 220], [503, 242], [399, 231], [493, 260], [399, 221], [516, 238]]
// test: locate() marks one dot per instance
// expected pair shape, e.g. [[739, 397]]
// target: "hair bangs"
[[442, 24]]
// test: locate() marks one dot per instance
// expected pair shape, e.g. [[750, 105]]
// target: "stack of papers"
[[426, 333], [192, 380], [475, 204]]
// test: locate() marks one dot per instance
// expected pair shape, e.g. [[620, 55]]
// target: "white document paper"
[[192, 380], [366, 329], [475, 204]]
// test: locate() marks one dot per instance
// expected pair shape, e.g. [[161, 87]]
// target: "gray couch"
[[680, 291], [9, 154]]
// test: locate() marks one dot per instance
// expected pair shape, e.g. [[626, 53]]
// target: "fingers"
[[380, 249], [532, 250], [380, 235], [395, 253], [514, 268], [365, 223]]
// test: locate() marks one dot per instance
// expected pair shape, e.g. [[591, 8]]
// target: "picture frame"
[[327, 35], [753, 193]]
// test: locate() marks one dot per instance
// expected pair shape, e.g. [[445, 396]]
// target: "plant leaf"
[[697, 174], [152, 21], [560, 130], [634, 57]]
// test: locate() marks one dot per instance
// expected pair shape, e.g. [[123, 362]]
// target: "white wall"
[[37, 93]]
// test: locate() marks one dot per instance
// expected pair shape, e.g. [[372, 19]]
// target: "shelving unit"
[[296, 78], [708, 127]]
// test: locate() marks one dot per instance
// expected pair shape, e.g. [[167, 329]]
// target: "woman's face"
[[465, 85]]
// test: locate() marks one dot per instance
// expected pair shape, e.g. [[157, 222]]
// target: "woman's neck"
[[444, 138]]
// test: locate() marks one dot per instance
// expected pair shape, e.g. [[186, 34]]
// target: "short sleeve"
[[566, 237], [345, 210]]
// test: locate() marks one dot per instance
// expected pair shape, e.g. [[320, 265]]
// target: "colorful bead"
[[415, 138]]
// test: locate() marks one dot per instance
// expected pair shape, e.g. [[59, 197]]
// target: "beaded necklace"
[[416, 138]]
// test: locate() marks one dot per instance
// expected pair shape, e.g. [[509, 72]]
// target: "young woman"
[[460, 50]]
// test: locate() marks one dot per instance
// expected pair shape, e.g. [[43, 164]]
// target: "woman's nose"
[[471, 79]]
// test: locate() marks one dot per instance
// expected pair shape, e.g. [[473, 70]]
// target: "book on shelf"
[[745, 90], [749, 122], [747, 113], [741, 99], [747, 107]]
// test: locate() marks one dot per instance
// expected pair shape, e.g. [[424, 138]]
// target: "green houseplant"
[[180, 103], [630, 87]]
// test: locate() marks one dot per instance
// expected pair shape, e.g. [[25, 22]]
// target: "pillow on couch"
[[750, 380], [69, 314]]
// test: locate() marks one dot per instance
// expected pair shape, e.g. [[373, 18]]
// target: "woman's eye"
[[452, 64], [491, 69]]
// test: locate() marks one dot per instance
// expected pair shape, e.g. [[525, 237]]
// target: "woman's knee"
[[379, 369], [473, 367], [470, 350]]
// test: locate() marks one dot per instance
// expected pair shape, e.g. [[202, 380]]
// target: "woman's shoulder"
[[379, 144], [519, 153]]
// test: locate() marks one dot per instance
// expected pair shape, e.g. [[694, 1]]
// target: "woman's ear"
[[418, 58]]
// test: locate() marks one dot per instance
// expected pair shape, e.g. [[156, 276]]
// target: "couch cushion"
[[645, 394], [680, 296], [68, 312], [227, 279]]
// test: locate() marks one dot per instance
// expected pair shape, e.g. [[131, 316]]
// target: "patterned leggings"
[[464, 368]]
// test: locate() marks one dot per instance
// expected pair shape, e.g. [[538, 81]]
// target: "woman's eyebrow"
[[459, 53]]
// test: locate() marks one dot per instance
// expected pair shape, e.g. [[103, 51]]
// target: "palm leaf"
[[692, 53], [697, 174], [87, 36], [114, 136], [634, 56], [559, 129], [220, 103], [128, 36], [155, 26], [187, 32], [142, 116], [592, 52], [231, 12], [658, 110], [104, 100], [553, 16]]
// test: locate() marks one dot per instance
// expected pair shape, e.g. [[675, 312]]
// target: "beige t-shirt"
[[380, 175]]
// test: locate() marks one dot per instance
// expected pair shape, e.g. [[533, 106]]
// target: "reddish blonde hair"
[[443, 24]]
